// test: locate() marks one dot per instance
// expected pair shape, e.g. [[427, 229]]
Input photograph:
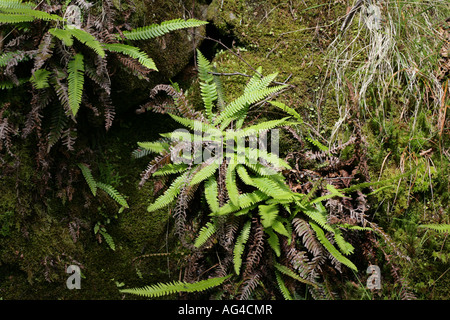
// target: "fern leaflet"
[[169, 195], [133, 52], [113, 193], [89, 178], [157, 30], [239, 247], [75, 82], [330, 248], [205, 233], [161, 289]]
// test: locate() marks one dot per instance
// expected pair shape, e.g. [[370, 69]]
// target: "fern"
[[282, 286], [287, 109], [162, 289], [230, 183], [39, 79], [75, 82], [62, 34], [113, 193], [157, 30], [17, 14], [273, 241], [169, 195], [317, 144], [239, 246], [205, 233], [170, 169], [330, 248], [133, 52], [208, 87], [87, 39], [156, 147], [211, 194], [285, 270], [206, 171], [87, 174], [109, 240], [443, 228], [246, 99]]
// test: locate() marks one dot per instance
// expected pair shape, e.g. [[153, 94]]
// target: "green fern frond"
[[269, 214], [205, 233], [194, 124], [62, 34], [39, 79], [244, 176], [230, 184], [205, 172], [273, 241], [211, 193], [282, 286], [273, 188], [156, 147], [246, 200], [317, 144], [254, 80], [162, 289], [330, 248], [113, 193], [444, 228], [75, 79], [15, 4], [24, 14], [287, 109], [239, 246], [170, 168], [157, 30], [256, 154], [318, 215], [257, 128], [87, 174], [87, 39], [285, 270], [343, 245], [133, 52], [109, 240], [170, 194], [244, 100], [208, 89], [10, 18]]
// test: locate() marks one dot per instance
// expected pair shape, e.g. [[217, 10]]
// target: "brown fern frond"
[[154, 165], [44, 51], [249, 284], [256, 248], [134, 67], [303, 230]]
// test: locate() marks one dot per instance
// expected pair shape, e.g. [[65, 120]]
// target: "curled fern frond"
[[162, 289]]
